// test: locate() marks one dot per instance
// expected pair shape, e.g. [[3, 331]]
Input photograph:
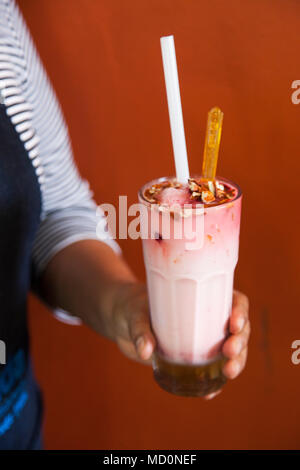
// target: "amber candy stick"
[[212, 144]]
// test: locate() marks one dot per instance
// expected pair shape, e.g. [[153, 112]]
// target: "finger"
[[240, 310], [212, 395], [145, 346], [234, 345], [141, 335], [129, 350], [234, 367]]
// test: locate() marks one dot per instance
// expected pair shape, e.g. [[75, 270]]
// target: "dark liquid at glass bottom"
[[189, 380]]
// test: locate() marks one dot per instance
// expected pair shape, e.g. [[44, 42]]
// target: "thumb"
[[141, 335]]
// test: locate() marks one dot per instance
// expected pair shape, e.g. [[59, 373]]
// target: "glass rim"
[[220, 179]]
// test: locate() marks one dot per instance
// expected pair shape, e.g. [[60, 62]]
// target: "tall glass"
[[190, 286]]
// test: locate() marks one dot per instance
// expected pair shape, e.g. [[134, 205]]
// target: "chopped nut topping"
[[194, 186], [211, 187], [206, 192], [230, 194], [207, 196], [150, 195], [220, 193]]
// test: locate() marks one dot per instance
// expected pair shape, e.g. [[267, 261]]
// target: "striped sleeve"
[[68, 209]]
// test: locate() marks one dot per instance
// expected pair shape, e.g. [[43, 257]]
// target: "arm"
[[88, 279]]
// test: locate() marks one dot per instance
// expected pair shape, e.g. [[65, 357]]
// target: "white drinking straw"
[[174, 105]]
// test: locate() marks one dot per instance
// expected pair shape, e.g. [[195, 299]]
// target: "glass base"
[[189, 380]]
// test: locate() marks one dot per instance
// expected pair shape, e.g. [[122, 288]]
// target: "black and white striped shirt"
[[68, 210]]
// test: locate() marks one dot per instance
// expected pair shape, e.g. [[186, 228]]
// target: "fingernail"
[[140, 342], [240, 323], [212, 395], [238, 346], [147, 351], [234, 370]]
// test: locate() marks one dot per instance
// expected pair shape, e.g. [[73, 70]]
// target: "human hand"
[[131, 323], [235, 347], [132, 330]]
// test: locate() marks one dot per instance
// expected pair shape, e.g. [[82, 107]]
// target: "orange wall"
[[104, 60]]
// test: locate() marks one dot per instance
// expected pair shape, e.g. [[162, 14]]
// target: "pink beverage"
[[190, 275]]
